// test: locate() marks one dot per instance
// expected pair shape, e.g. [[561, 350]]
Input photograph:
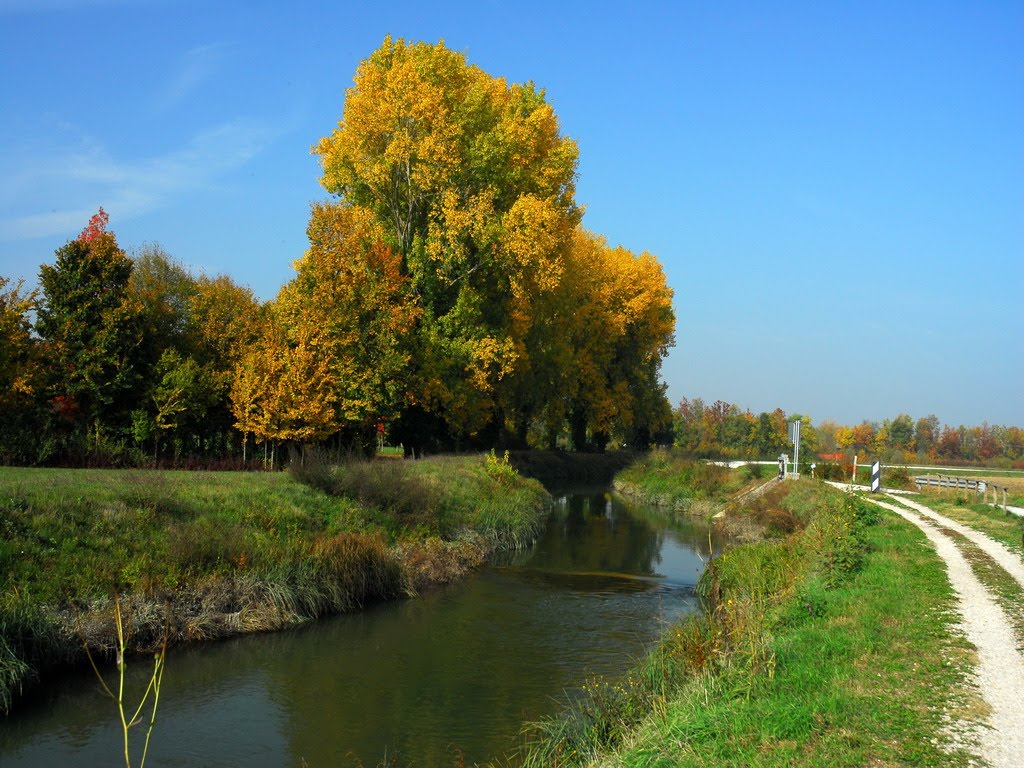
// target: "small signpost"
[[794, 438], [876, 477]]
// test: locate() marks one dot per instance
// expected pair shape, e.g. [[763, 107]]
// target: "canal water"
[[449, 676]]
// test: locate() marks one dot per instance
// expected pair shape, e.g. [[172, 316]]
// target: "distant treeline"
[[449, 299], [724, 430]]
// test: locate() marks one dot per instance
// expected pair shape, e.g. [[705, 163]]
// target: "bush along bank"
[[198, 556], [666, 479], [809, 652]]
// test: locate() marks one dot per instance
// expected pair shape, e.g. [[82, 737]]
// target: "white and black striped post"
[[876, 477]]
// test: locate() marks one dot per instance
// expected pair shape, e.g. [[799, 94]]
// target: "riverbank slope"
[[202, 555], [809, 653]]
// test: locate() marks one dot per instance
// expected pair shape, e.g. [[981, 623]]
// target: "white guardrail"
[[964, 484]]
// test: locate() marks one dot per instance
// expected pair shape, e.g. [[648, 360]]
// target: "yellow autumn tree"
[[474, 187], [350, 285], [622, 326], [283, 389], [16, 346], [305, 392], [248, 388]]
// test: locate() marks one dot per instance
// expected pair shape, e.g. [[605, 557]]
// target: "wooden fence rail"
[[964, 484]]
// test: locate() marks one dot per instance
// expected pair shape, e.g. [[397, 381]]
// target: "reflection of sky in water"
[[680, 564], [237, 723], [460, 666]]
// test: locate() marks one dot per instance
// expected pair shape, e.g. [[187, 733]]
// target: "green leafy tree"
[[687, 420], [769, 437], [926, 435], [808, 440], [89, 325], [225, 321], [182, 395], [901, 433], [165, 292]]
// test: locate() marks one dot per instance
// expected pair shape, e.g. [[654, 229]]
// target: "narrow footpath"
[[985, 623]]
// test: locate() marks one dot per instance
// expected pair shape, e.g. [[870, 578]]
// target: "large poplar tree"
[[474, 186]]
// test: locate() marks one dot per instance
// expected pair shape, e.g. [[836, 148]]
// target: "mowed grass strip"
[[1002, 526], [864, 675], [1006, 589]]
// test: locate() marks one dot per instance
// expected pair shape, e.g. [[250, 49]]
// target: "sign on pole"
[[876, 477], [794, 438]]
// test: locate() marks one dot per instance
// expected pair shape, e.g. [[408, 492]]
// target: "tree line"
[[724, 430], [450, 298]]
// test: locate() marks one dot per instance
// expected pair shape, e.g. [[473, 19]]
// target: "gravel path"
[[1009, 560], [1000, 668]]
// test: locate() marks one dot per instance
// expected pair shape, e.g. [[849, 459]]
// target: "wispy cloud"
[[196, 66], [56, 190]]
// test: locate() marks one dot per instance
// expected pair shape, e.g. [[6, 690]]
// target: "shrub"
[[390, 486], [316, 472], [435, 561], [837, 472], [897, 477], [768, 510], [708, 479], [205, 545], [387, 485], [500, 469]]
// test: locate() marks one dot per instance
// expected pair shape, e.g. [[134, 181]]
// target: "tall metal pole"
[[796, 452]]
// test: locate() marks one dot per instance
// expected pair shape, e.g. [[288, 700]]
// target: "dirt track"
[[1000, 668]]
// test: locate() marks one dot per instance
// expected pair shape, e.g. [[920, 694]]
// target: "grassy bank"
[[206, 555], [664, 478], [809, 653]]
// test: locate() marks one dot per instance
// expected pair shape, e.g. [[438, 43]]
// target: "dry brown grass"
[[339, 574], [755, 518], [435, 561], [1014, 483]]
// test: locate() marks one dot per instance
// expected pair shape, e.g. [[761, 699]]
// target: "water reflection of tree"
[[615, 540], [462, 668]]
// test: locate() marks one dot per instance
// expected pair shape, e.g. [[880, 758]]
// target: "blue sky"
[[836, 190]]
